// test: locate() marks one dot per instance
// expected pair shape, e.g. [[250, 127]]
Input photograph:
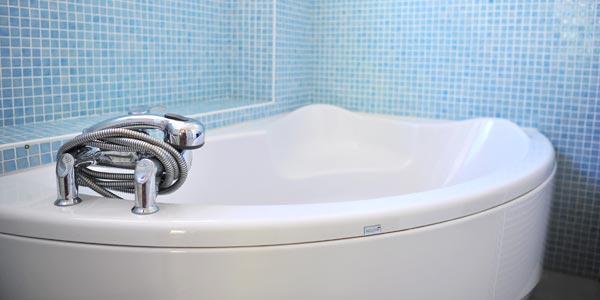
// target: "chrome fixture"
[[179, 131], [145, 187], [65, 180], [103, 156]]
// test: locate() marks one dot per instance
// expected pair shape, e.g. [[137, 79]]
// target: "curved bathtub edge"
[[108, 221], [495, 254]]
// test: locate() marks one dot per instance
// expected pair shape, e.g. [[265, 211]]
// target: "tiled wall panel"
[[295, 51], [231, 70], [65, 59], [252, 35]]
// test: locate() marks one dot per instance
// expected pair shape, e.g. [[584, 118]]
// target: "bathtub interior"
[[317, 174], [326, 154]]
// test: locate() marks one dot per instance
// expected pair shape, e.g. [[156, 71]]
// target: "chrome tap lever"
[[65, 179], [145, 174]]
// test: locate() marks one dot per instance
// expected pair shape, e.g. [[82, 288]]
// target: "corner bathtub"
[[320, 203]]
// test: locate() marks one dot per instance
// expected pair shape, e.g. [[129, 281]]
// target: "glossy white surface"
[[278, 209], [319, 173], [495, 254]]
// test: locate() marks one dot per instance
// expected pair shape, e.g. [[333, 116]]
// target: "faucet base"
[[67, 202], [145, 210]]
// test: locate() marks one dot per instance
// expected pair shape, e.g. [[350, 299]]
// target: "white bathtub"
[[320, 203]]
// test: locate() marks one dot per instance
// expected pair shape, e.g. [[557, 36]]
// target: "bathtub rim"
[[108, 221], [92, 241]]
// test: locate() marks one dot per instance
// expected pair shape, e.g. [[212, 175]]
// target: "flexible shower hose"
[[126, 140]]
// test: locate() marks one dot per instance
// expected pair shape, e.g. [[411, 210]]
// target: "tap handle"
[[65, 180], [145, 187]]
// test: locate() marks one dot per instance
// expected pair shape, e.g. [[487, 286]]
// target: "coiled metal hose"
[[174, 166]]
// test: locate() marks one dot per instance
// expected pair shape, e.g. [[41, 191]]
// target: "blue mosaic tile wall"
[[252, 35], [232, 75], [68, 59], [295, 51], [533, 62]]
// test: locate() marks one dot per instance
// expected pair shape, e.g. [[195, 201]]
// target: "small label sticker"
[[372, 229]]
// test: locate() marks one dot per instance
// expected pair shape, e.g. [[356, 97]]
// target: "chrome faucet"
[[159, 166], [65, 176], [146, 171]]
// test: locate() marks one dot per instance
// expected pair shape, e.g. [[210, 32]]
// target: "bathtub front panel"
[[475, 257]]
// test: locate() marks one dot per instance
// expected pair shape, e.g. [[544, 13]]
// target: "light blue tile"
[[21, 152], [8, 154], [56, 145], [22, 163], [47, 158], [34, 149], [9, 166], [45, 147], [34, 161]]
